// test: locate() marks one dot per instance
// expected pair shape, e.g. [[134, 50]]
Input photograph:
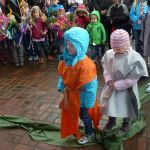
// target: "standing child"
[[25, 27], [78, 82], [82, 18], [97, 35], [53, 8], [61, 25], [17, 50], [46, 6], [3, 36], [38, 34], [123, 67]]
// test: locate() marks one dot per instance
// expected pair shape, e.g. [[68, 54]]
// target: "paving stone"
[[130, 144], [45, 116], [24, 147], [142, 143], [7, 145], [5, 136], [52, 117], [32, 92], [46, 146]]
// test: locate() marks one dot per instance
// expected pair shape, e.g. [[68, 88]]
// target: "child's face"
[[71, 49], [54, 2], [93, 18], [81, 14], [47, 2], [26, 9], [61, 13], [119, 50], [36, 15]]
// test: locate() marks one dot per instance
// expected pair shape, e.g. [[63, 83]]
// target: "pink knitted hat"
[[119, 39]]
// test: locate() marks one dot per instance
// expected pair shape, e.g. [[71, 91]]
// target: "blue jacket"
[[135, 14], [80, 39], [147, 8]]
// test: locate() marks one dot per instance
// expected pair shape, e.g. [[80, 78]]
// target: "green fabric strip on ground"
[[49, 133]]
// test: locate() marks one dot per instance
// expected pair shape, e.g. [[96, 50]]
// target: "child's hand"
[[103, 12], [139, 22], [111, 21], [44, 33], [111, 83]]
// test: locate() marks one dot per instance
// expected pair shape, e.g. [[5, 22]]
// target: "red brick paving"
[[31, 92]]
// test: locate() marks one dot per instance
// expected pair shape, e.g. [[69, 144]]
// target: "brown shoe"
[[125, 127], [41, 60], [50, 58], [111, 123]]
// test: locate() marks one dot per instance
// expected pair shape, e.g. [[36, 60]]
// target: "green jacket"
[[96, 31]]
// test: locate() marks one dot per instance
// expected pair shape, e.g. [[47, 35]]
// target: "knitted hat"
[[119, 39], [81, 8], [61, 8]]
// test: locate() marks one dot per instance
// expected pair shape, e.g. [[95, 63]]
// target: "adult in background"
[[118, 17], [73, 5], [137, 13], [145, 37], [128, 3]]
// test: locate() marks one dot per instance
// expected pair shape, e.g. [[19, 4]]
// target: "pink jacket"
[[61, 25], [37, 28], [3, 22]]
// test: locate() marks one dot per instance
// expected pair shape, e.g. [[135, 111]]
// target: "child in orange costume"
[[78, 82]]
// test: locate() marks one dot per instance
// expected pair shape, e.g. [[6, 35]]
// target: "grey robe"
[[145, 34], [129, 65]]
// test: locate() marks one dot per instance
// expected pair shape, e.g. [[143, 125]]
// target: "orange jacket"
[[74, 77]]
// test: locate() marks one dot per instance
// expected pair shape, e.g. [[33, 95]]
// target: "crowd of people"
[[39, 30], [78, 29]]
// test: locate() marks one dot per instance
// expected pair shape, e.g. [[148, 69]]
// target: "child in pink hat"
[[82, 18], [122, 68]]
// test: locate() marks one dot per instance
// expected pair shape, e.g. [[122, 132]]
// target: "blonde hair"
[[136, 1], [11, 17], [37, 9], [23, 4]]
